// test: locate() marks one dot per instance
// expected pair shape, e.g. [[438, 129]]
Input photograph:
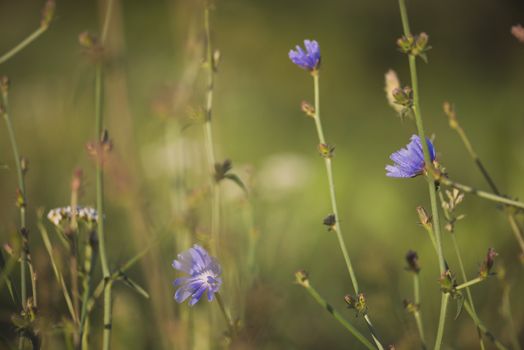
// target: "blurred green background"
[[154, 85]]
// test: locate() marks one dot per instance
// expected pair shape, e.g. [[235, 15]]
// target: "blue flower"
[[409, 161], [203, 271], [309, 60]]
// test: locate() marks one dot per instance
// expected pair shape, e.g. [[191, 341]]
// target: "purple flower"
[[203, 271], [409, 161], [309, 60]]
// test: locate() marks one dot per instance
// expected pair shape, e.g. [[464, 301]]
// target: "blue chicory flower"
[[203, 271], [409, 161], [308, 60]]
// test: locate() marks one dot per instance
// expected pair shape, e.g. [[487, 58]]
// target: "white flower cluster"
[[87, 214]]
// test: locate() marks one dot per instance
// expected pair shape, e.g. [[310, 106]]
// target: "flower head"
[[87, 214], [203, 271], [409, 161], [308, 60]]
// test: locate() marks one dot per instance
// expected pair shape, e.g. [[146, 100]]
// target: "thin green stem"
[[469, 283], [90, 257], [506, 312], [325, 305], [427, 160], [208, 133], [418, 317], [442, 320], [58, 274], [482, 194], [483, 328], [465, 278], [108, 315], [517, 231], [22, 201], [455, 125], [32, 37], [332, 193], [431, 234], [229, 321], [100, 185]]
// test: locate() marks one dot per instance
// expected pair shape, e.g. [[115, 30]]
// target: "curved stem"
[[32, 37], [332, 194]]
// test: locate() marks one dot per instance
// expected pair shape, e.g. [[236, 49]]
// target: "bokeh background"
[[157, 173]]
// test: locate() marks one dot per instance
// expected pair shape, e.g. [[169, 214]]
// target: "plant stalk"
[[427, 159], [332, 194]]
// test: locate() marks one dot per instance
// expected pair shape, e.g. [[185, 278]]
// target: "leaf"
[[237, 180], [5, 271], [460, 303]]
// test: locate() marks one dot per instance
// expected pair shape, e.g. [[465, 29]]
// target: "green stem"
[[100, 185], [325, 305], [465, 278], [442, 320], [230, 325], [108, 317], [483, 328], [21, 188], [429, 229], [506, 312], [208, 133], [32, 37], [517, 231], [469, 283], [332, 193], [58, 274], [418, 317], [482, 194], [90, 257], [427, 160]]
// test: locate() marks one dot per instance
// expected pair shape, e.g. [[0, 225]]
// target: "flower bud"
[[326, 150], [330, 221], [87, 40], [518, 32], [4, 85], [308, 109], [412, 260], [302, 278], [410, 306], [447, 281], [47, 13], [424, 217], [487, 264]]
